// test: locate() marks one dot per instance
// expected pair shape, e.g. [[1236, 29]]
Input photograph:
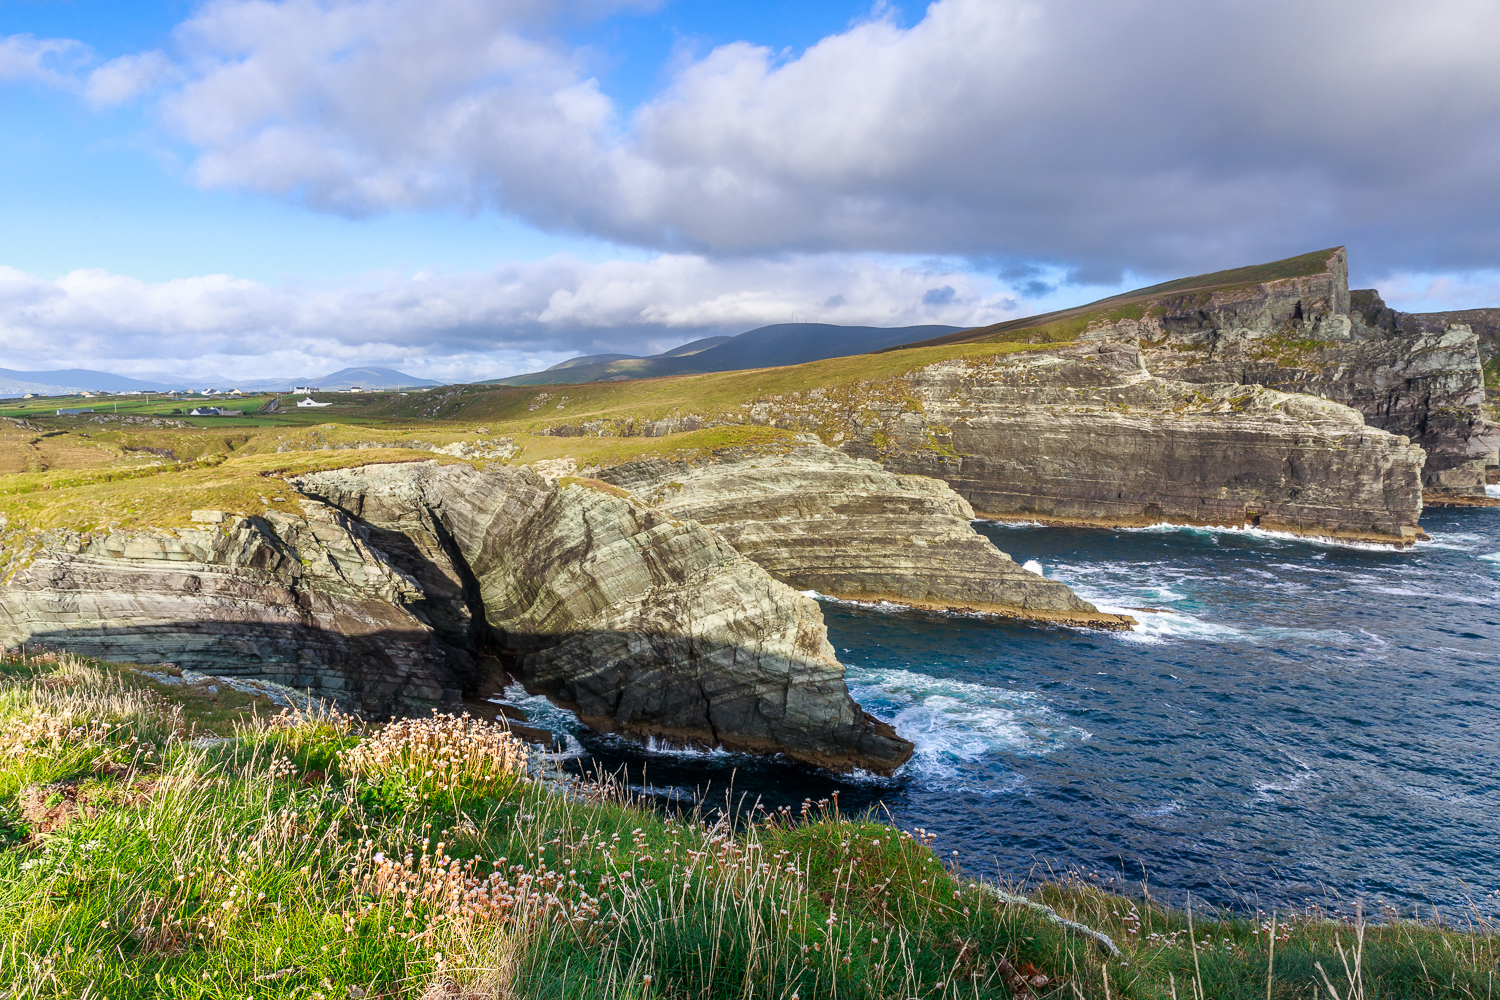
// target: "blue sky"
[[466, 189]]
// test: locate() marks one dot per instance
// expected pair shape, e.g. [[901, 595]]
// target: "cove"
[[1297, 723]]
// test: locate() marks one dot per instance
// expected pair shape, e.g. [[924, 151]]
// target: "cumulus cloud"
[[51, 61], [458, 327], [122, 79], [1166, 137]]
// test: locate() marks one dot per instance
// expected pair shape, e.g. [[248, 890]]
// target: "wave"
[[1492, 491], [955, 722], [1213, 533]]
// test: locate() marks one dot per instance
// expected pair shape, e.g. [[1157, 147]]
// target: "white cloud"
[[1417, 292], [50, 61], [122, 79], [1169, 137], [469, 326]]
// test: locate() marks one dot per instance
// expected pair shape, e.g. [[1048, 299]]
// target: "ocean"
[[1294, 723]]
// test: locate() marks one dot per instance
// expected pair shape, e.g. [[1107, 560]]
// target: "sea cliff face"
[[641, 622], [302, 600], [1083, 434], [399, 587], [819, 519], [1413, 375]]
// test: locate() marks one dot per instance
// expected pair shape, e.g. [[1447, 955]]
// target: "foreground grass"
[[313, 857]]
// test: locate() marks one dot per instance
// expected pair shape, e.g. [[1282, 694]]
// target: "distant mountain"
[[695, 347], [591, 359], [765, 347], [346, 378], [74, 380]]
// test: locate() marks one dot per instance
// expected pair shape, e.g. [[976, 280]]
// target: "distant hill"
[[346, 378], [695, 347], [70, 381], [765, 347]]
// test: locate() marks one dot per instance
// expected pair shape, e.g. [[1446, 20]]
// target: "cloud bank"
[[1072, 140], [462, 327], [1164, 137]]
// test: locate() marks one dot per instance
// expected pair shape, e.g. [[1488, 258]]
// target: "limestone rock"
[[1082, 434], [302, 601], [641, 622], [818, 519], [1417, 376]]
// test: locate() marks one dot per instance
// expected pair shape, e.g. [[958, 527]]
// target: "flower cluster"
[[434, 756], [452, 894]]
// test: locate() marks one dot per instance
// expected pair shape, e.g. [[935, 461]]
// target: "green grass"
[[314, 857]]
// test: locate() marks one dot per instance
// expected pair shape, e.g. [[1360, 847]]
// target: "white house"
[[310, 402]]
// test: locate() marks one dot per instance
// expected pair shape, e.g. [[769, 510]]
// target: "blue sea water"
[[1293, 722]]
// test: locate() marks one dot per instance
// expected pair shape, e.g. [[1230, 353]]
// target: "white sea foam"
[[1493, 557], [1430, 594], [953, 722], [1247, 531], [1032, 566], [1492, 491]]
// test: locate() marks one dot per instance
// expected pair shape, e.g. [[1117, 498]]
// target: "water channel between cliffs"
[[1300, 722]]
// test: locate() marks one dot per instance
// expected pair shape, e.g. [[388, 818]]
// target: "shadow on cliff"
[[638, 685]]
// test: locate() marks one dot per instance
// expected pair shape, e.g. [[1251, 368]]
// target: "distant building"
[[214, 411], [304, 388], [311, 402], [354, 388], [32, 395], [72, 413]]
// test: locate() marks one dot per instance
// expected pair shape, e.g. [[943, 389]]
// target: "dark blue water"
[[1298, 722]]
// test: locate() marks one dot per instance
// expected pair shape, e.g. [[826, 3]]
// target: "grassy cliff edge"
[[166, 836]]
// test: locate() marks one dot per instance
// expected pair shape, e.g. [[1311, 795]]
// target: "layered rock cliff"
[[1083, 434], [303, 601], [1417, 376], [400, 586], [818, 519], [640, 622]]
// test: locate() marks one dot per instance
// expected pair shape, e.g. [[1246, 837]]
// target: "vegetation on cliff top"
[[1067, 324], [155, 844], [143, 468]]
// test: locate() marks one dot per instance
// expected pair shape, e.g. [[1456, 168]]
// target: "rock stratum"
[[1420, 376], [818, 519], [401, 587], [1083, 434], [640, 622]]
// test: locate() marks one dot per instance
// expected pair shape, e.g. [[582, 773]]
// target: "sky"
[[468, 189]]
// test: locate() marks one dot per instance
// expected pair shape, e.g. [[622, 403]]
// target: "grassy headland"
[[145, 468], [166, 837]]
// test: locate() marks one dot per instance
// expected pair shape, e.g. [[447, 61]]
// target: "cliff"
[[400, 586], [304, 601], [640, 622], [818, 519], [1419, 376], [1082, 434]]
